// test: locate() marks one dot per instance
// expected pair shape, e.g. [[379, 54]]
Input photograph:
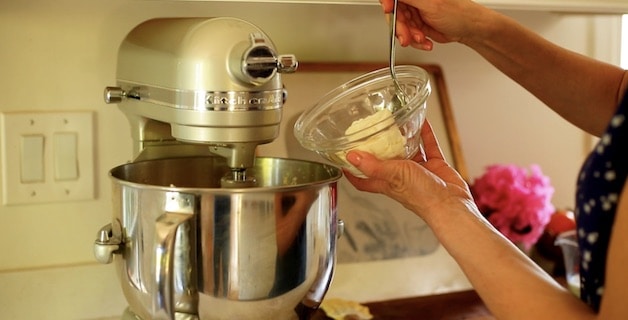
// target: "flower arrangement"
[[516, 201]]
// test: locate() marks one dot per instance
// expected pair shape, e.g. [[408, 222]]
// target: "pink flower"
[[516, 201]]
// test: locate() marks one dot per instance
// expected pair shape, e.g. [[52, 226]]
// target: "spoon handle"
[[393, 31], [393, 27]]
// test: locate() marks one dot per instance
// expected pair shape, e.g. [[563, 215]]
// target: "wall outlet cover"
[[47, 156]]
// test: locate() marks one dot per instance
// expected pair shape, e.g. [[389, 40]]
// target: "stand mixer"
[[202, 228], [221, 89]]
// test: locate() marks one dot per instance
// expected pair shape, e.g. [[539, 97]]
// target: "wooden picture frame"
[[375, 226]]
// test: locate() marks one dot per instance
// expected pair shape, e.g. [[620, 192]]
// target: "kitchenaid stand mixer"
[[202, 228], [168, 99]]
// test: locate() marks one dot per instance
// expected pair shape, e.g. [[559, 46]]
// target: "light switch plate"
[[16, 162]]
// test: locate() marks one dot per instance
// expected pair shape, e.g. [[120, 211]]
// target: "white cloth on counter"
[[434, 273]]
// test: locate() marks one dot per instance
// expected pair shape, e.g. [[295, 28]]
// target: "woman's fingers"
[[431, 147]]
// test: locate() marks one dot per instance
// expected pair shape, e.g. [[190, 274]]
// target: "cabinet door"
[[584, 6]]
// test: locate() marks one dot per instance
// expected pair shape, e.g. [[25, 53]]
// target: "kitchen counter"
[[460, 305], [448, 306]]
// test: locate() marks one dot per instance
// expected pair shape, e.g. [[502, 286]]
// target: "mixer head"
[[198, 85]]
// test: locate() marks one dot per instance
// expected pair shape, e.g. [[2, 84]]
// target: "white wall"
[[59, 55]]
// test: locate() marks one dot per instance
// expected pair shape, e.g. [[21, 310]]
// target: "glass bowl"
[[355, 116]]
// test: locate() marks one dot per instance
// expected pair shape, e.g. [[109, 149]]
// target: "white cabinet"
[[583, 6]]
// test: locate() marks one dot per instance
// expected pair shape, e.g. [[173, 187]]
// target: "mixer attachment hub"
[[238, 178]]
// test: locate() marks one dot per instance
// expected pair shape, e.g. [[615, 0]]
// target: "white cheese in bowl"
[[387, 143]]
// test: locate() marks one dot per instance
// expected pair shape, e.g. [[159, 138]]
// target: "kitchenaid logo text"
[[205, 100], [263, 99]]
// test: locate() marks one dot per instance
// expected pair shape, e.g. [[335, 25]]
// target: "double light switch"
[[47, 157]]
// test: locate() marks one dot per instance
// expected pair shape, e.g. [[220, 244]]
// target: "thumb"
[[363, 161], [372, 168], [392, 178]]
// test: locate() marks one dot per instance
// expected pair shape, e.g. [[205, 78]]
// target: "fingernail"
[[354, 158]]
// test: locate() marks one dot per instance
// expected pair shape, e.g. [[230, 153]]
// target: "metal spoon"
[[399, 99]]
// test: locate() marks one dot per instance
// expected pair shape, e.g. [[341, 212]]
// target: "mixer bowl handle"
[[108, 242], [165, 235]]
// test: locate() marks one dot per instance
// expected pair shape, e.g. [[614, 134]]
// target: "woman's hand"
[[421, 184], [419, 22]]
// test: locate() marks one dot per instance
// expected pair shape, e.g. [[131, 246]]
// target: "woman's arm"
[[582, 90], [511, 285]]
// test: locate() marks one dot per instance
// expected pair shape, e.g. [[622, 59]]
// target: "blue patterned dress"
[[600, 184]]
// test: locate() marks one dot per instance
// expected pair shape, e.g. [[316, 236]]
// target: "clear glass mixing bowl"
[[325, 128]]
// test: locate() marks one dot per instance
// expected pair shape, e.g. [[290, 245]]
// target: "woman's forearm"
[[500, 272], [576, 87]]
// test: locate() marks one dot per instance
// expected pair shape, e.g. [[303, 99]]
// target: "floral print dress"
[[600, 184]]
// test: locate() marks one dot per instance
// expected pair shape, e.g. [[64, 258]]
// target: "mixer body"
[[212, 82]]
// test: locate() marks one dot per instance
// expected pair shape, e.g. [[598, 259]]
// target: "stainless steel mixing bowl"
[[186, 248]]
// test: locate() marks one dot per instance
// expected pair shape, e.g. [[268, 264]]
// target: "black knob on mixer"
[[260, 62]]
